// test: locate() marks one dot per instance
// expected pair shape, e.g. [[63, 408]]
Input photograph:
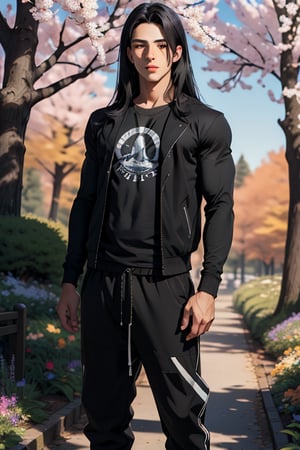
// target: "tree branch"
[[50, 90], [72, 167], [45, 167], [53, 59], [62, 47]]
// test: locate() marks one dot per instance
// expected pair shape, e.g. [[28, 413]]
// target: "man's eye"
[[163, 46]]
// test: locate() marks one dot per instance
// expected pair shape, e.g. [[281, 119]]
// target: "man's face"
[[151, 54]]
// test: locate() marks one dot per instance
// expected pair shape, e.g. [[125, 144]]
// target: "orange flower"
[[71, 338], [61, 343], [289, 393], [293, 396]]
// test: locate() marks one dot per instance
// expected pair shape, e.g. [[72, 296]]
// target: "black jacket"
[[196, 164]]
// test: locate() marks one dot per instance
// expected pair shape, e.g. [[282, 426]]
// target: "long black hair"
[[182, 77]]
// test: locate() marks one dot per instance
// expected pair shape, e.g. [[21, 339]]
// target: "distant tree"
[[242, 171], [261, 206], [55, 133], [32, 201], [60, 156]]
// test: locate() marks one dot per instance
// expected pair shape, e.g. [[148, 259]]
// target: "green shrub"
[[256, 301], [31, 249], [293, 430]]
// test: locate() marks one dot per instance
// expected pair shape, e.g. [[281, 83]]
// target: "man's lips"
[[151, 67]]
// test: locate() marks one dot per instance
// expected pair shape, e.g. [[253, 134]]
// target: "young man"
[[151, 156]]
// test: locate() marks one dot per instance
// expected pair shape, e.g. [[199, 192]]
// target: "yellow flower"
[[61, 343], [51, 328]]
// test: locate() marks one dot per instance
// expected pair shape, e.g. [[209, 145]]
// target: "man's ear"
[[177, 54]]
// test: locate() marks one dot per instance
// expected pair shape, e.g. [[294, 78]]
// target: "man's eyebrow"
[[146, 42]]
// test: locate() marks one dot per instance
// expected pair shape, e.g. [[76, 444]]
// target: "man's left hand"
[[201, 309]]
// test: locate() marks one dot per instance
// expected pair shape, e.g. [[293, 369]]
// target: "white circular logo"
[[137, 152]]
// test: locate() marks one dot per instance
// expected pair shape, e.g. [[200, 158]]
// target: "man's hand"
[[67, 308], [201, 308]]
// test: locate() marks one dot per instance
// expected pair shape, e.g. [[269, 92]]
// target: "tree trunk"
[[57, 185], [19, 45], [290, 287], [289, 72], [11, 170]]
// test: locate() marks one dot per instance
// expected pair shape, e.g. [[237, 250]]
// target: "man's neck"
[[153, 96]]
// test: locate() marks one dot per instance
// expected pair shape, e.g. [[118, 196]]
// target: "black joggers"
[[129, 320]]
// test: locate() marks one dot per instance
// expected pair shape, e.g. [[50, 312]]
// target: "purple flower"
[[9, 409], [21, 383], [14, 418], [275, 331], [74, 364]]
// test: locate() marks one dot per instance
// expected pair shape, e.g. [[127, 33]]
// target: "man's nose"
[[150, 52]]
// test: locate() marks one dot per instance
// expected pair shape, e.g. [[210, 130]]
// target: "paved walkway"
[[235, 415]]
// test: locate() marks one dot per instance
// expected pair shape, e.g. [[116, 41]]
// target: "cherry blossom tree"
[[262, 41]]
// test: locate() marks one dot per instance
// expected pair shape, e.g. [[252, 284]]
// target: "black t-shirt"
[[131, 234]]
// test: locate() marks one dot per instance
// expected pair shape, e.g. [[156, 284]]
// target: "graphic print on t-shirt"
[[137, 152]]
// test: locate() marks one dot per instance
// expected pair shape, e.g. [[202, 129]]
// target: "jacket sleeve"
[[217, 172], [82, 208]]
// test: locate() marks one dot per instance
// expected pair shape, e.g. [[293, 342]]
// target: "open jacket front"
[[196, 164]]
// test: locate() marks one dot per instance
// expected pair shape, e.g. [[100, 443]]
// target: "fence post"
[[20, 308]]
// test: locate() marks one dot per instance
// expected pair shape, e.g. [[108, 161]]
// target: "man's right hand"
[[67, 308]]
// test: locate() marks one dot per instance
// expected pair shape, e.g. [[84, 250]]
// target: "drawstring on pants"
[[126, 281]]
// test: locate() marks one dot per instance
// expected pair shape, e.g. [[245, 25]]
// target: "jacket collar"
[[174, 129]]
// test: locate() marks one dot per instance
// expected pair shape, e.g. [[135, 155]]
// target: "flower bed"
[[280, 337], [283, 341], [52, 359]]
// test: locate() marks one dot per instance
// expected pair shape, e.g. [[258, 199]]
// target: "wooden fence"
[[13, 325]]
